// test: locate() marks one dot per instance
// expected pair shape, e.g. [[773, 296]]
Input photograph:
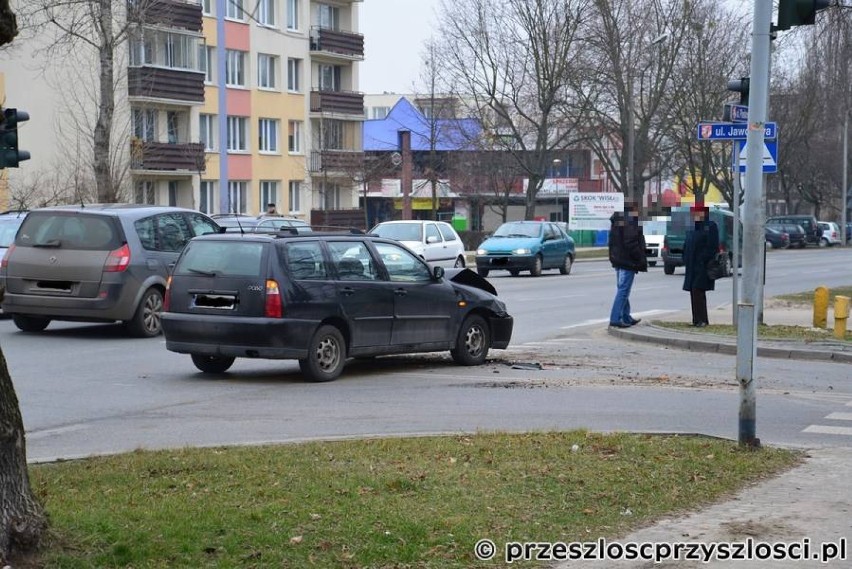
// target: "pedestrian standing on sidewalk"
[[627, 255], [700, 247]]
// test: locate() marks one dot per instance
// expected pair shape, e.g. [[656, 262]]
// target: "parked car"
[[278, 223], [796, 233], [526, 246], [655, 234], [96, 263], [10, 221], [813, 233], [235, 221], [435, 241], [321, 298], [830, 234], [776, 239], [681, 222]]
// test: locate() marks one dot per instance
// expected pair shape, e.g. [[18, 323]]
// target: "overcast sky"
[[394, 33]]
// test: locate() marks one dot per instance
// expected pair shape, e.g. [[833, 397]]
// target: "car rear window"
[[221, 258], [8, 228], [70, 231]]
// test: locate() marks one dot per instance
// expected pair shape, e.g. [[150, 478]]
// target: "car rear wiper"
[[202, 272], [53, 243], [517, 235]]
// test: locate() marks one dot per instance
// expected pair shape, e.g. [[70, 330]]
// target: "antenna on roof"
[[237, 216]]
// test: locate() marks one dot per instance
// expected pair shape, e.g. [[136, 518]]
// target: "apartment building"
[[268, 115]]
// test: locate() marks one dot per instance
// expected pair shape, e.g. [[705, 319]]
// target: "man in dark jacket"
[[627, 255]]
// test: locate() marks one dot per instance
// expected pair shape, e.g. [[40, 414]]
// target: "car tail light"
[[274, 309], [5, 262], [167, 298], [118, 260]]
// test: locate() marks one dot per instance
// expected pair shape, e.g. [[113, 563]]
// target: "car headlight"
[[481, 252], [521, 251]]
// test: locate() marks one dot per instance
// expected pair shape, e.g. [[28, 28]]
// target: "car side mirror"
[[438, 272], [431, 239]]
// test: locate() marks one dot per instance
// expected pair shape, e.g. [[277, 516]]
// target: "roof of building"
[[450, 134]]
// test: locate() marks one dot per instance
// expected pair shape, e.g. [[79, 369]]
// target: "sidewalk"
[[812, 501]]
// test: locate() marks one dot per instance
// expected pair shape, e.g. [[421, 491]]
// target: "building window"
[[235, 11], [172, 121], [237, 134], [237, 197], [235, 64], [330, 196], [294, 75], [165, 49], [207, 61], [267, 135], [207, 196], [173, 193], [329, 77], [380, 112], [332, 135], [145, 192], [268, 193], [266, 12], [266, 65], [145, 124], [207, 7], [329, 17], [294, 137], [295, 191], [208, 128], [293, 14]]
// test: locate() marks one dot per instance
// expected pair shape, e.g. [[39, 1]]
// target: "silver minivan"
[[96, 263]]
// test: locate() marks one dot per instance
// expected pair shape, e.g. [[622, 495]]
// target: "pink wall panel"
[[239, 166], [239, 102], [237, 36]]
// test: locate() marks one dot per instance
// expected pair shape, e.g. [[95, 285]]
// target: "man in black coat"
[[627, 255], [700, 246]]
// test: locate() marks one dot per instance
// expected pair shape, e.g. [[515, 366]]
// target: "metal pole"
[[753, 226], [844, 184], [736, 205]]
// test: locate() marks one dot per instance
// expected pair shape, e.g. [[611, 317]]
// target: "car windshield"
[[518, 230], [8, 228], [654, 227], [398, 231]]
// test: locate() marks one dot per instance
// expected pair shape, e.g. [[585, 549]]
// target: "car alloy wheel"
[[536, 270], [565, 269], [146, 323], [459, 263]]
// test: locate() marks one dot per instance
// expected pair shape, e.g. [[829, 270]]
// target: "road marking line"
[[643, 314], [840, 416], [826, 430], [52, 432], [849, 404]]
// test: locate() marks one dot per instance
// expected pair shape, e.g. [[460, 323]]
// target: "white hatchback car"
[[436, 242], [830, 234]]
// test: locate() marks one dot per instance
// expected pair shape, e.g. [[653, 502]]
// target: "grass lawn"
[[767, 332], [807, 297], [416, 502]]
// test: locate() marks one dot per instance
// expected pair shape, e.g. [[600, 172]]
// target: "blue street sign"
[[770, 156], [736, 113], [731, 131]]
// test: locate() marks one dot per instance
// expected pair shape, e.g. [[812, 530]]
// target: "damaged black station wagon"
[[321, 298]]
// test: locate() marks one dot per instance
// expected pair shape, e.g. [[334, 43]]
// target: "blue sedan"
[[526, 246]]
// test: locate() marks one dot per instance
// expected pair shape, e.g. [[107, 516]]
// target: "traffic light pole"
[[753, 238]]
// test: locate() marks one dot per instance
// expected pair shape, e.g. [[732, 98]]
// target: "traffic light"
[[799, 12], [10, 156], [740, 86]]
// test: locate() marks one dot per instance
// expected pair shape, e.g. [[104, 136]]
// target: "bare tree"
[[511, 61]]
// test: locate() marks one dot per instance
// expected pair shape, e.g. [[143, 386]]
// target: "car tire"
[[668, 269], [514, 272], [482, 272], [652, 263], [769, 245], [823, 242], [30, 323], [459, 264], [729, 265], [473, 342], [536, 269], [567, 263], [146, 322], [212, 364], [326, 355]]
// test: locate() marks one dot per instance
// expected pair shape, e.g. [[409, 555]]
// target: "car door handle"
[[400, 292], [347, 291]]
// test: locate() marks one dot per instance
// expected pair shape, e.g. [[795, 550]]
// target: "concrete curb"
[[724, 345]]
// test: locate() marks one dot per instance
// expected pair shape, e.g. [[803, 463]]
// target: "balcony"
[[183, 14], [337, 44], [160, 156], [338, 102], [335, 161], [160, 83]]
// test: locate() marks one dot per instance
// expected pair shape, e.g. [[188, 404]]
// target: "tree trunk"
[[22, 521], [8, 23], [106, 107], [532, 192]]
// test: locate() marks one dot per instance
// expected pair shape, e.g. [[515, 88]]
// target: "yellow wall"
[[713, 195]]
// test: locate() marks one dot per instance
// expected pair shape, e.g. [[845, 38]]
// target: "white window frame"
[[294, 75], [208, 128], [293, 15], [266, 66], [235, 10], [268, 135], [328, 16], [207, 7], [266, 13], [294, 191], [268, 193], [145, 125], [145, 192], [237, 194], [237, 134], [235, 68], [330, 196], [207, 193], [206, 62], [294, 137], [329, 77]]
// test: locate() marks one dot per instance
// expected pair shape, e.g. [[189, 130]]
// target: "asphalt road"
[[87, 389]]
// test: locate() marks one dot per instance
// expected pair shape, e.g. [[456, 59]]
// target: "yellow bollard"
[[841, 314], [821, 307]]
